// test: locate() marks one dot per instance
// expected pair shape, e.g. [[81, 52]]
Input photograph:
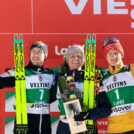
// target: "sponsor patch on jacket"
[[40, 78], [105, 72], [126, 67], [119, 66], [46, 70], [114, 78], [121, 109], [37, 105]]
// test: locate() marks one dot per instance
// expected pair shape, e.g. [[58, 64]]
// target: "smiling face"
[[37, 56], [75, 60], [114, 57]]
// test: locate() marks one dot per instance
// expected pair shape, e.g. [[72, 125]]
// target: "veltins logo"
[[40, 78], [114, 78]]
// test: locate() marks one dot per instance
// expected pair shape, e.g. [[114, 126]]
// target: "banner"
[[84, 16]]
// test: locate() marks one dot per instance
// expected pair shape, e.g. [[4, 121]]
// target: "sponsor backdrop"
[[59, 24]]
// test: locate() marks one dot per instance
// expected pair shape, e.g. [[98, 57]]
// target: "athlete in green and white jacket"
[[41, 89], [118, 84]]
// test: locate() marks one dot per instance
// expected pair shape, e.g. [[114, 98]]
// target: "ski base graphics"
[[20, 91], [92, 78]]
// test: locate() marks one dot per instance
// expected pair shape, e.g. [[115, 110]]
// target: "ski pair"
[[89, 74], [20, 90]]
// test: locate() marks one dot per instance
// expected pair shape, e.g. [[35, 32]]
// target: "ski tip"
[[94, 37], [20, 37], [15, 36], [88, 36], [88, 40]]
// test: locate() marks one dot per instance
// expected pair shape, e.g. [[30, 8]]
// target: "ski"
[[86, 73], [20, 91], [89, 83], [92, 82]]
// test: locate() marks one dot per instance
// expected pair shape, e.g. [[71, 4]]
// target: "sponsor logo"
[[103, 131], [103, 123], [105, 72], [39, 85], [117, 84], [76, 9], [122, 109], [46, 70], [111, 46], [114, 78], [126, 67], [62, 51], [40, 78], [112, 8], [119, 66], [37, 105], [119, 102]]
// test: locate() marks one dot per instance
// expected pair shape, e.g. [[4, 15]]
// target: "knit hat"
[[78, 48], [112, 44], [40, 45]]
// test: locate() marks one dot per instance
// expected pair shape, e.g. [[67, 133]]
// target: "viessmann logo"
[[113, 8]]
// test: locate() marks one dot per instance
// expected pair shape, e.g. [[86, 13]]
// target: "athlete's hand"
[[82, 116]]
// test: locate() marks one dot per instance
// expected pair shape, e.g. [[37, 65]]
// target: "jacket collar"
[[115, 69], [34, 67]]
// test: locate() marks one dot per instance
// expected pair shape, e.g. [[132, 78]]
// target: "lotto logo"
[[61, 51]]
